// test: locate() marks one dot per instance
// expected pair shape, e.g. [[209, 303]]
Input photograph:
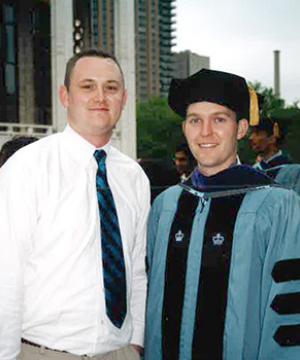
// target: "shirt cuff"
[[138, 334]]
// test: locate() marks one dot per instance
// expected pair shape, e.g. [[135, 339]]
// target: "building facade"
[[25, 62], [154, 39], [27, 65], [166, 26], [186, 63], [154, 34]]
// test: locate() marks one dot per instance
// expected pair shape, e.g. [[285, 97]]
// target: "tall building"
[[154, 38], [186, 63], [154, 28], [147, 48], [166, 28], [103, 13]]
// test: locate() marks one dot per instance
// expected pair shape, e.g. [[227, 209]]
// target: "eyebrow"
[[191, 114], [113, 81], [226, 113], [93, 80], [86, 80]]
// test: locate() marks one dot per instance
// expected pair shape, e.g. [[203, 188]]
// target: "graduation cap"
[[218, 87]]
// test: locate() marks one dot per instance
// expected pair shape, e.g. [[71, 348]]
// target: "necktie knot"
[[100, 156]]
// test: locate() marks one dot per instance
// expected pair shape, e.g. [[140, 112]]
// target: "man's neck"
[[96, 140], [216, 171], [270, 154]]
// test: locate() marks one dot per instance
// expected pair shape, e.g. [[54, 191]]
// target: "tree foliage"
[[158, 129]]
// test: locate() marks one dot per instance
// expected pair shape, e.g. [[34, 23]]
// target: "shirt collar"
[[80, 149], [279, 153]]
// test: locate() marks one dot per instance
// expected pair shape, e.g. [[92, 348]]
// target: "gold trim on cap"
[[276, 130], [254, 108]]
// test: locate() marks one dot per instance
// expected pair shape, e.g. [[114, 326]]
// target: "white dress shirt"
[[51, 282]]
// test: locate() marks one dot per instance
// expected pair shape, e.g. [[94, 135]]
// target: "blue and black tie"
[[112, 251]]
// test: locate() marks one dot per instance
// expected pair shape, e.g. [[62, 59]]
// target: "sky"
[[240, 36]]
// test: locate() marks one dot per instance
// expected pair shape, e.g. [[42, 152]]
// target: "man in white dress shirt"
[[52, 293]]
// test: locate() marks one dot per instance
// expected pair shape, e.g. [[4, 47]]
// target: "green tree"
[[158, 129]]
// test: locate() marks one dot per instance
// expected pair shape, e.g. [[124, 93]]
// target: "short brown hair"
[[87, 53]]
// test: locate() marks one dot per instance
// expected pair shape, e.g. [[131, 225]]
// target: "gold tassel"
[[254, 108], [276, 130]]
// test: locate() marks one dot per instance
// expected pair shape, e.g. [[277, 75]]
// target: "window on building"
[[8, 63], [42, 62]]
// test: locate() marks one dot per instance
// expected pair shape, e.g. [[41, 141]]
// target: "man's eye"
[[193, 120], [112, 87], [220, 120], [87, 86]]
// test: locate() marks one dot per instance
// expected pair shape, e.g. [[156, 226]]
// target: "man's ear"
[[243, 127], [272, 139], [125, 97], [183, 127], [64, 96]]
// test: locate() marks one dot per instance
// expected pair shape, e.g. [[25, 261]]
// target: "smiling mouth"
[[207, 146], [99, 109]]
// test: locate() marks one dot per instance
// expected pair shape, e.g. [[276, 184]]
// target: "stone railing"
[[9, 130]]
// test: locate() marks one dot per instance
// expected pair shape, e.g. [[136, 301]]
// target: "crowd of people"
[[89, 271]]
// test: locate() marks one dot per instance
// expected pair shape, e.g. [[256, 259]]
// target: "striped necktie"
[[112, 251]]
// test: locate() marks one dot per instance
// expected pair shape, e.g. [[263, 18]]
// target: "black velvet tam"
[[218, 87]]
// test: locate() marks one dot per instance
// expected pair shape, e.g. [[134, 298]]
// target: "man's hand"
[[138, 349]]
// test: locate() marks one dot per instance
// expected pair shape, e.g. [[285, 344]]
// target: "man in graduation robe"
[[224, 246], [266, 140]]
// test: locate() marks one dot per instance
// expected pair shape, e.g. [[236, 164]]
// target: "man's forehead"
[[97, 59], [91, 67], [180, 154], [207, 106], [259, 131]]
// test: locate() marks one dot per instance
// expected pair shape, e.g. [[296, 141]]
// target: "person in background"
[[11, 146], [160, 173], [266, 140], [73, 213], [184, 161], [224, 246]]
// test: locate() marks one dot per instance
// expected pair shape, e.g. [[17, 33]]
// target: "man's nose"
[[206, 128], [99, 94]]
